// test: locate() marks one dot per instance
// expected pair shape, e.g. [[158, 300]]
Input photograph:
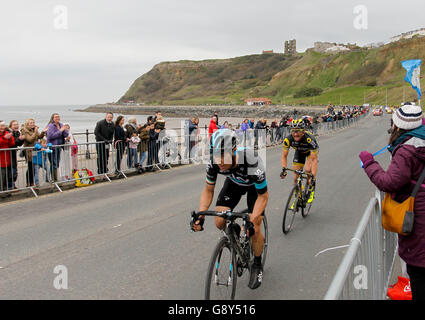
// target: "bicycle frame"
[[302, 175], [229, 232], [237, 245]]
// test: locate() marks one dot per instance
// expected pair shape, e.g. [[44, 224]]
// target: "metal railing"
[[321, 127], [366, 268], [31, 169]]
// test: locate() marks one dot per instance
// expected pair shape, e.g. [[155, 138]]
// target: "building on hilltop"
[[408, 35], [258, 101], [328, 47], [290, 47], [267, 51], [374, 45]]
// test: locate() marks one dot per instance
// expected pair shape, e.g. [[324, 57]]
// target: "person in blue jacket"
[[39, 160]]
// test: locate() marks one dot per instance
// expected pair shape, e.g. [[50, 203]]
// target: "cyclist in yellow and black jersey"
[[306, 152]]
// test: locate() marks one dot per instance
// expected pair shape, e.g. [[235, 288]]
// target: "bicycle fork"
[[229, 279]]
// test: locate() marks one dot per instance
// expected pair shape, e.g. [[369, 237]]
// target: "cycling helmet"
[[222, 140], [297, 124]]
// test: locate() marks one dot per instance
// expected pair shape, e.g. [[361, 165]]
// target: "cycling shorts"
[[231, 194]]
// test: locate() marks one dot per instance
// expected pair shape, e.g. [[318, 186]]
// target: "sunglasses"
[[297, 130]]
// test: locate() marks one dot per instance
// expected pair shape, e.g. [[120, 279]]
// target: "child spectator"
[[39, 160], [132, 150]]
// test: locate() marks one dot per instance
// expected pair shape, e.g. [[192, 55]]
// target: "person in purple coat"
[[56, 135], [407, 147]]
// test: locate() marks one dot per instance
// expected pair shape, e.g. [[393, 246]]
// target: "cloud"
[[108, 44]]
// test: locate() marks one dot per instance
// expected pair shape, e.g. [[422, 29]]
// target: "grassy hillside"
[[372, 76]]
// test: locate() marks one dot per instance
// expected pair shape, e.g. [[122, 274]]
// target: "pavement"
[[130, 239]]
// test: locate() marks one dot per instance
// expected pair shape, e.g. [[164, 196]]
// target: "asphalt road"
[[130, 239]]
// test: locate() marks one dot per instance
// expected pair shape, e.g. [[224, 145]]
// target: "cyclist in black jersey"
[[306, 152], [245, 174]]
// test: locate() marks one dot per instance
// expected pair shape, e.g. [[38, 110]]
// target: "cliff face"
[[356, 74], [211, 81]]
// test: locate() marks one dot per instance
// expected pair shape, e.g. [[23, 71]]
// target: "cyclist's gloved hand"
[[250, 228], [283, 173], [197, 222]]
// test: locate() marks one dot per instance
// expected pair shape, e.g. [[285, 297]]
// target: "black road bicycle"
[[297, 200], [233, 254]]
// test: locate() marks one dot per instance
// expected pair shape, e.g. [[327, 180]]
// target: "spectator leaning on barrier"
[[143, 145], [407, 146], [130, 129], [74, 149], [56, 135], [120, 142], [216, 118], [158, 114], [31, 136], [245, 125], [69, 164], [213, 126], [104, 134], [244, 131], [259, 127], [190, 135], [159, 122], [153, 147], [132, 150], [273, 130], [19, 141], [282, 125], [40, 155], [6, 141]]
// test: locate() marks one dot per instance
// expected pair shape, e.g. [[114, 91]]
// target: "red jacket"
[[213, 127], [5, 155]]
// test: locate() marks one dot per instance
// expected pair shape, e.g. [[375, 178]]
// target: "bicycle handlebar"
[[228, 215], [300, 172]]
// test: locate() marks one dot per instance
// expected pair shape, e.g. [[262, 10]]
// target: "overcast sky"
[[108, 44]]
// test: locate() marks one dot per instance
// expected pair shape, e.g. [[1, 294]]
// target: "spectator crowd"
[[53, 150]]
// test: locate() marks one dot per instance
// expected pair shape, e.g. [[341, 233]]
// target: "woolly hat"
[[408, 117]]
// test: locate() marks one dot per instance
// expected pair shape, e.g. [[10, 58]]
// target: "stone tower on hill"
[[290, 47]]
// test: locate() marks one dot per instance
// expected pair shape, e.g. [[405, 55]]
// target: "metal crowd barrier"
[[366, 268], [107, 159]]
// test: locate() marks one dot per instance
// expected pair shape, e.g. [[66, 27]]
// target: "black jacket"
[[104, 131], [18, 143], [119, 135]]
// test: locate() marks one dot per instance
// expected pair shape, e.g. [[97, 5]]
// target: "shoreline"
[[206, 111]]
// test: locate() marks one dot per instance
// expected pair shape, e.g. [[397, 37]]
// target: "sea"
[[82, 121]]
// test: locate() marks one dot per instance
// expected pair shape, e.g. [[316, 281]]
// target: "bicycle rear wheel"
[[220, 283], [291, 209], [265, 232]]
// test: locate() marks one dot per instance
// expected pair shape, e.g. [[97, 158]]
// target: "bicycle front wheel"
[[220, 283], [308, 205], [291, 209]]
